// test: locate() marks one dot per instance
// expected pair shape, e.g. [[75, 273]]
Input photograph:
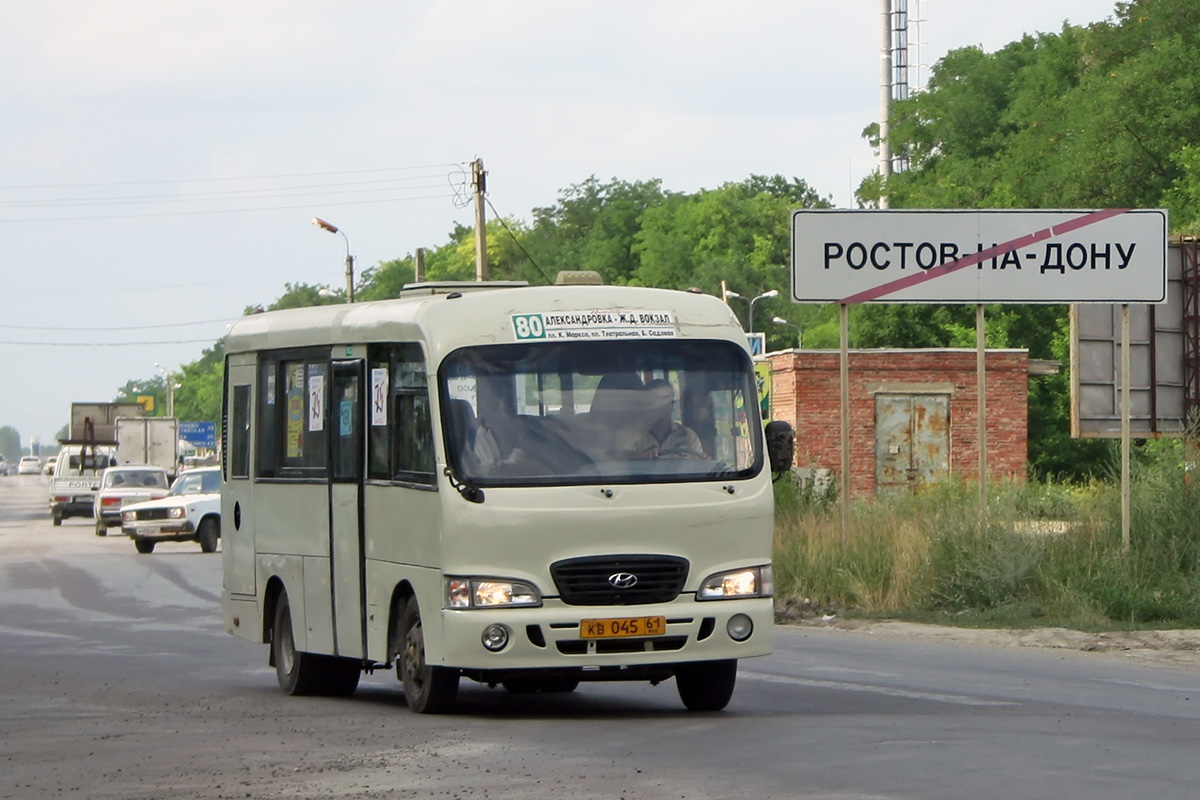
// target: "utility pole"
[[479, 183], [419, 266], [885, 99]]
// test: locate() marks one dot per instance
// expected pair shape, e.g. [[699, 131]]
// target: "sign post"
[[975, 257]]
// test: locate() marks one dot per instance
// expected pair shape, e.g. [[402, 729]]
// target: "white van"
[[527, 487], [76, 480]]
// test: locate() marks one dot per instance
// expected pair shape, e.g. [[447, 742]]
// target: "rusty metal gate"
[[912, 441]]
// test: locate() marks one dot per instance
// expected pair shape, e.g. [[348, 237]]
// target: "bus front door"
[[345, 510]]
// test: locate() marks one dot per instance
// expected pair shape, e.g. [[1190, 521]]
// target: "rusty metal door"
[[912, 441]]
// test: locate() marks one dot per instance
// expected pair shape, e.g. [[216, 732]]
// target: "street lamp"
[[325, 226], [735, 295], [171, 387], [763, 296], [782, 321]]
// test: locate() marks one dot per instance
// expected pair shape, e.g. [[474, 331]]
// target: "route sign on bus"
[[992, 256]]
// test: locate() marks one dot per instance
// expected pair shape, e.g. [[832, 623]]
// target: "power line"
[[516, 241], [197, 212], [236, 178], [227, 194], [119, 328], [107, 344]]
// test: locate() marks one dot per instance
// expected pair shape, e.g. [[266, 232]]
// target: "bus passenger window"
[[414, 438], [239, 451]]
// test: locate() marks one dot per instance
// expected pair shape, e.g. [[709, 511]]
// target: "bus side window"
[[414, 437], [239, 451]]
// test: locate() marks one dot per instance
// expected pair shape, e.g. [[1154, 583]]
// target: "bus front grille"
[[619, 580]]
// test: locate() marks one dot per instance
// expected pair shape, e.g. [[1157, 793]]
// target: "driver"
[[663, 437]]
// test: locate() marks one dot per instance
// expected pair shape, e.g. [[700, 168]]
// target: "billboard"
[[969, 257], [1159, 397]]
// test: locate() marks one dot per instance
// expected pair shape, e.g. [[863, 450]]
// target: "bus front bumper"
[[606, 639]]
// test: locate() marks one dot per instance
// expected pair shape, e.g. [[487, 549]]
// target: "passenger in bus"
[[662, 436]]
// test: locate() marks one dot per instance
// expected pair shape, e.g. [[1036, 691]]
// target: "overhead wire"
[[356, 190], [516, 241]]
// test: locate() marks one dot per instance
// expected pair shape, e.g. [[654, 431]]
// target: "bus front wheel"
[[428, 689], [706, 685]]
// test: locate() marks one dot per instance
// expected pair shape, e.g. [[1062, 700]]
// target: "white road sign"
[[951, 256]]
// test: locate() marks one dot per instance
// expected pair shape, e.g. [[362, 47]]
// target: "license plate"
[[83, 498], [622, 626]]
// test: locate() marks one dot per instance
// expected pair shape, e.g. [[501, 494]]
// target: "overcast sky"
[[161, 161]]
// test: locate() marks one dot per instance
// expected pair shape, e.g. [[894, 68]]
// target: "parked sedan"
[[191, 512], [123, 485]]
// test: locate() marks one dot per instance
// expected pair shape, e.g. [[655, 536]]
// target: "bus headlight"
[[489, 593], [751, 582]]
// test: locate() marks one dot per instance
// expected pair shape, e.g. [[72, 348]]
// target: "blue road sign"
[[201, 434]]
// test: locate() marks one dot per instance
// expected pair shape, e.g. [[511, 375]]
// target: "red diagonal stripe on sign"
[[917, 278]]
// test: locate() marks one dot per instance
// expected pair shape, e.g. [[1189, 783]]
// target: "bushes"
[[1042, 554]]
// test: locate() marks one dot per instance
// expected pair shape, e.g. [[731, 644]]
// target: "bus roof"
[[445, 322]]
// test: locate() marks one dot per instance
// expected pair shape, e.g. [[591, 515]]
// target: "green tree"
[[594, 226], [198, 398]]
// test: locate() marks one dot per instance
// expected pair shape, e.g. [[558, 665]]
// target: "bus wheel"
[[297, 672], [707, 685], [208, 535], [144, 545], [428, 689]]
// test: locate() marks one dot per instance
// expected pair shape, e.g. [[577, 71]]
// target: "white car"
[[191, 512], [125, 485], [48, 469], [29, 465]]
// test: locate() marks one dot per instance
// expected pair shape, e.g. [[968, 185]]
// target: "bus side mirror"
[[781, 445]]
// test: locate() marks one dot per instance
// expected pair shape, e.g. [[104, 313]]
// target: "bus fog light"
[[739, 627], [495, 637]]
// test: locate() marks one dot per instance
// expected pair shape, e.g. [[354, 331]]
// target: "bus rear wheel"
[[296, 671], [706, 685], [428, 689], [207, 536]]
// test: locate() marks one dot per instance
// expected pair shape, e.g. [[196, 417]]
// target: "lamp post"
[[763, 296], [325, 226], [782, 321], [171, 387], [735, 296]]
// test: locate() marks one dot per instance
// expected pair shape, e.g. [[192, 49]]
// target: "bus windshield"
[[592, 412]]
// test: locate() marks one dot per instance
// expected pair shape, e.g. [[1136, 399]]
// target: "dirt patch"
[[1181, 647]]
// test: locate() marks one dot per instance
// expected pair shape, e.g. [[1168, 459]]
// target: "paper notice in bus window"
[[379, 393], [316, 402]]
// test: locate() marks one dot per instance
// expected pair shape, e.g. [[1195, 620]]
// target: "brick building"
[[913, 414]]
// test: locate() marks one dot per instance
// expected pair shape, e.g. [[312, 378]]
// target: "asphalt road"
[[117, 681]]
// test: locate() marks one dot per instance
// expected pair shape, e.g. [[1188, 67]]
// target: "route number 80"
[[529, 326]]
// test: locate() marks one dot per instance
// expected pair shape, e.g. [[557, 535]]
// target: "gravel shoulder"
[[1167, 647]]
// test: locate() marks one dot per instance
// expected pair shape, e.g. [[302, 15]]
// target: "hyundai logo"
[[622, 580]]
